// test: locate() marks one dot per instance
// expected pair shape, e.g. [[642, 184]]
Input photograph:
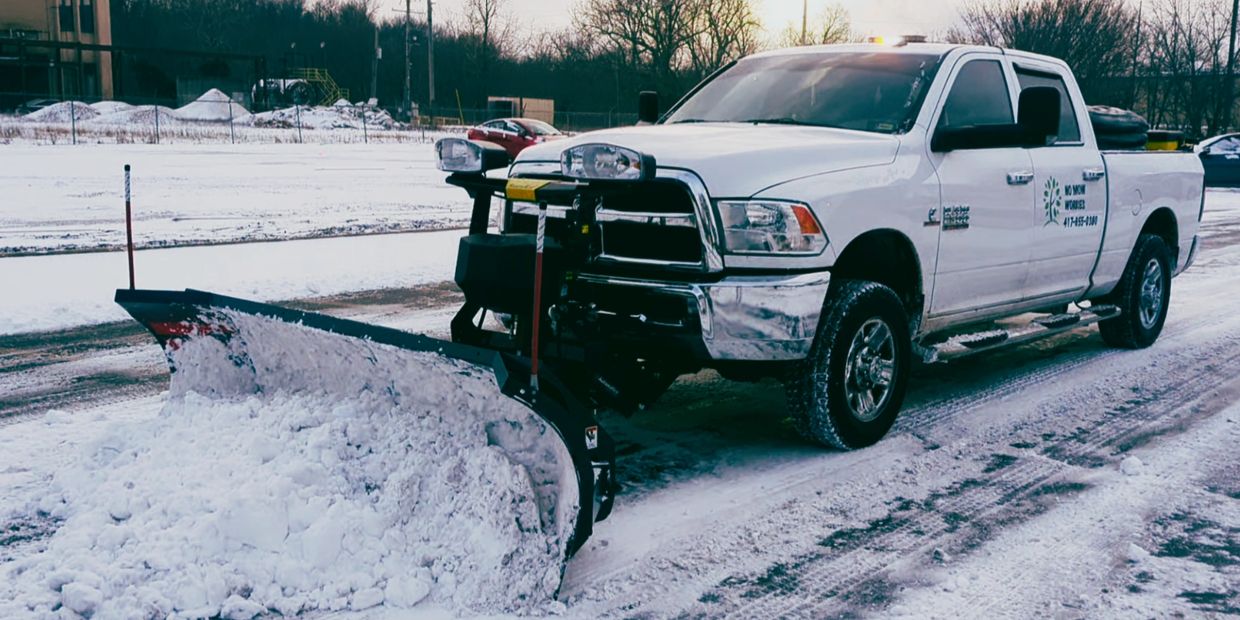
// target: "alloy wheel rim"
[[869, 371], [1149, 306]]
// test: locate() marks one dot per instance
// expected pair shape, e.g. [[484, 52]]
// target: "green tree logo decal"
[[1052, 200]]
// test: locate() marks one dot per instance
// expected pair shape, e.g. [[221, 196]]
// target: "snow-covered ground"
[[262, 271], [71, 198], [1059, 479]]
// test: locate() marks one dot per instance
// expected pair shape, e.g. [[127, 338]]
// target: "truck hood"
[[737, 160]]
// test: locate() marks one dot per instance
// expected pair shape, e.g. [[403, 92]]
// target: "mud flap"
[[231, 339]]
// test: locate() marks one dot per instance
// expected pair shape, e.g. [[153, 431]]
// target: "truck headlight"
[[606, 162], [770, 227], [461, 155]]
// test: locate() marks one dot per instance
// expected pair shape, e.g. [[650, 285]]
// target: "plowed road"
[[1060, 479]]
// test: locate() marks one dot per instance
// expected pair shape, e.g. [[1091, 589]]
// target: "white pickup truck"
[[827, 214]]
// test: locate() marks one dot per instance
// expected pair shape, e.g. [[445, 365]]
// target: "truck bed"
[[1150, 180]]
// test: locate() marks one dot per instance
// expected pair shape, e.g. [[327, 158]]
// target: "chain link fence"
[[223, 120]]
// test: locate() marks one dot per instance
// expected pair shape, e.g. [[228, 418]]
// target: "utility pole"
[[408, 106], [430, 59], [1231, 66], [1136, 53], [374, 65], [804, 22]]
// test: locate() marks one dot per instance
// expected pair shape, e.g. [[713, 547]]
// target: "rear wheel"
[[1143, 294], [847, 393]]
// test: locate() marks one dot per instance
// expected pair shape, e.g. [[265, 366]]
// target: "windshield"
[[867, 91], [540, 128]]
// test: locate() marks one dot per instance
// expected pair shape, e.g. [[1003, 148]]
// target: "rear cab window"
[[1069, 127]]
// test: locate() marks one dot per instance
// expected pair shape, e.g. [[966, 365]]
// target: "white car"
[[826, 214]]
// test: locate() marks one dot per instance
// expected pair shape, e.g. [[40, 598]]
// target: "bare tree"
[[1092, 36], [729, 30], [651, 34], [1186, 67], [491, 27], [832, 25]]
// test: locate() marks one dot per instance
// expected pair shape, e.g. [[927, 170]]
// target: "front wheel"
[[847, 393], [1143, 294]]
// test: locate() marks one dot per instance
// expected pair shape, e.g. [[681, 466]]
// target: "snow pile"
[[343, 115], [63, 112], [111, 107], [140, 115], [213, 105], [424, 485]]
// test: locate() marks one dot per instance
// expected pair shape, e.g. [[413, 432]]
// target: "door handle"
[[1094, 174], [1019, 178]]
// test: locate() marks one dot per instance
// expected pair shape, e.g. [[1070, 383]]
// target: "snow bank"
[[343, 115], [111, 107], [63, 112], [140, 115], [212, 106], [378, 476]]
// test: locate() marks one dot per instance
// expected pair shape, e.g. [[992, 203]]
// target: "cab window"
[[979, 96], [1069, 130]]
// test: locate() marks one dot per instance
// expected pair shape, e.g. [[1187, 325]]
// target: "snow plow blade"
[[220, 346]]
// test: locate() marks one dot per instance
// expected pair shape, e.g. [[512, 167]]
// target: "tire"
[[1143, 294], [826, 393], [1123, 142], [1109, 121]]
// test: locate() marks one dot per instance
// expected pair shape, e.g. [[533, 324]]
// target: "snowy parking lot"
[[1056, 479], [71, 198]]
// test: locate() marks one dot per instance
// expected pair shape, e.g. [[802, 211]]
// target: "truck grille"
[[652, 223]]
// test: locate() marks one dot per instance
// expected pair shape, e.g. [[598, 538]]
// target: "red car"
[[515, 134]]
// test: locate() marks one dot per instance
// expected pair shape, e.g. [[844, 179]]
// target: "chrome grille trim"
[[677, 220], [703, 215]]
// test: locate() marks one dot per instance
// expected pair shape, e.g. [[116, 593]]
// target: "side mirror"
[[972, 137], [1039, 114], [647, 107], [1207, 150], [1037, 125]]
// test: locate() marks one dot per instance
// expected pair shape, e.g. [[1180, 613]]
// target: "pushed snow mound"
[[343, 115], [63, 112], [111, 107], [214, 106], [375, 476], [140, 115]]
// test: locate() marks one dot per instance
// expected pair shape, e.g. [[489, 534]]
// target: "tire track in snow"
[[962, 402], [827, 581]]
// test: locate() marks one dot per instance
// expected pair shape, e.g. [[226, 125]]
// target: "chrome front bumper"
[[747, 318]]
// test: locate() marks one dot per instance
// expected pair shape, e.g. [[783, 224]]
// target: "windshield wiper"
[[785, 121], [691, 120]]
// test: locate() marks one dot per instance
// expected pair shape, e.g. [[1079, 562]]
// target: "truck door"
[[1071, 197], [986, 194]]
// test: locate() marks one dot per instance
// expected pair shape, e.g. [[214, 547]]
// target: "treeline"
[[1165, 58], [617, 48]]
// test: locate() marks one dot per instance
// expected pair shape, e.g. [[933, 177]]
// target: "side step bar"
[[1041, 327]]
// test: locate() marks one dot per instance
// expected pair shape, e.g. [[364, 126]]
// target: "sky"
[[869, 17]]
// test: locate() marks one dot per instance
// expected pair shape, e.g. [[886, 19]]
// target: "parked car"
[[515, 134], [34, 105], [1220, 156]]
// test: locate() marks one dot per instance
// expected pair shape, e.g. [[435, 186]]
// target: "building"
[[56, 48]]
